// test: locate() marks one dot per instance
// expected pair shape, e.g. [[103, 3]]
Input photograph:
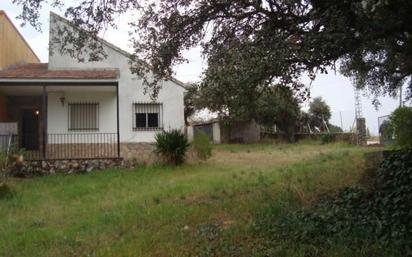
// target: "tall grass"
[[198, 209]]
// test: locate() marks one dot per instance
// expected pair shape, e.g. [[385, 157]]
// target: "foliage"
[[335, 129], [172, 146], [327, 138], [269, 40], [278, 107], [201, 145], [303, 122], [6, 160], [177, 202], [190, 100], [386, 131], [4, 189], [319, 112], [401, 126], [3, 165], [238, 100], [358, 216]]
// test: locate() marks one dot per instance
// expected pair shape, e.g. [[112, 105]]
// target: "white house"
[[67, 109]]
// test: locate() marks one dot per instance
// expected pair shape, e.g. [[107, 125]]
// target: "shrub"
[[401, 126], [3, 166], [327, 138], [172, 146], [5, 191], [380, 215], [202, 146]]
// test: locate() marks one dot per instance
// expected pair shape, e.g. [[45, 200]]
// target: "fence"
[[68, 146]]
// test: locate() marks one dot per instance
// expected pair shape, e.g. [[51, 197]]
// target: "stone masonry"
[[138, 152]]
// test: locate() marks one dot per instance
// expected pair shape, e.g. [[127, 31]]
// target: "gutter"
[[33, 82]]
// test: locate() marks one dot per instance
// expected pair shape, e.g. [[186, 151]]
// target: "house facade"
[[13, 47], [67, 109]]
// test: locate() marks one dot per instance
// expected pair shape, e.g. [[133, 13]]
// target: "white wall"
[[57, 113], [130, 91], [216, 133]]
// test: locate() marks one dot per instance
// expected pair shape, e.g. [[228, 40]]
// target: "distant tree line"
[[273, 107]]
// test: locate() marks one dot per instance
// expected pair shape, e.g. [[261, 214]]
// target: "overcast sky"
[[334, 88]]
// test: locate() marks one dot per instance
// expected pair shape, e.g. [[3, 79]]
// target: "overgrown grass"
[[198, 209]]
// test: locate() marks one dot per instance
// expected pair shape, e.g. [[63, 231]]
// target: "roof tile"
[[41, 71]]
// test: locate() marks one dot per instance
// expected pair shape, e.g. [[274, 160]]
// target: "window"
[[83, 116], [147, 116]]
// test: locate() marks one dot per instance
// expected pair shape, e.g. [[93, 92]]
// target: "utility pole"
[[341, 123], [360, 121], [358, 104]]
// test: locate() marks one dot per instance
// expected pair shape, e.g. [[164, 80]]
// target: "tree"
[[401, 126], [303, 122], [278, 107], [271, 41], [335, 129], [190, 101], [319, 112]]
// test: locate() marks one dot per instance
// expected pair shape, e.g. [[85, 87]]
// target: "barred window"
[[83, 116], [147, 116]]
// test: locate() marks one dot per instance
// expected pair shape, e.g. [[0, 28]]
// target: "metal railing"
[[68, 146]]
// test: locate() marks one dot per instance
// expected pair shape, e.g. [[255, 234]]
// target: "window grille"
[[147, 116], [83, 116]]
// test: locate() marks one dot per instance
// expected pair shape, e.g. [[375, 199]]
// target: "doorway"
[[30, 129]]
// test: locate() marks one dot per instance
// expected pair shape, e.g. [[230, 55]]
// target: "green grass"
[[199, 209]]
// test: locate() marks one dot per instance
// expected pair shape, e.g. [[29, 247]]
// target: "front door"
[[30, 129]]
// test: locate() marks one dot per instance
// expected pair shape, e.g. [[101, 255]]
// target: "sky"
[[335, 89]]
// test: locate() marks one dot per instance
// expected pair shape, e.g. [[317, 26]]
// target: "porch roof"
[[37, 71]]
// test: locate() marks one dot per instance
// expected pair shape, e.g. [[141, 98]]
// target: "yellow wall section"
[[13, 48], [3, 109]]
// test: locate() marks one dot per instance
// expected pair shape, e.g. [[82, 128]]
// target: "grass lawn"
[[198, 209]]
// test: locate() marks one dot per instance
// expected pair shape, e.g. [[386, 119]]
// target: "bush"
[[5, 191], [202, 146], [327, 138], [172, 146], [359, 216], [401, 126], [3, 166], [335, 129]]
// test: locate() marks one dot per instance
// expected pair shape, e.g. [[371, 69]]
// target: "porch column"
[[118, 122], [44, 121]]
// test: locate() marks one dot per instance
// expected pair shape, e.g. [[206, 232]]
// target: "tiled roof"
[[41, 71]]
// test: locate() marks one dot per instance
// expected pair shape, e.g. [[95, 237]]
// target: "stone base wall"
[[138, 152], [132, 155], [50, 167]]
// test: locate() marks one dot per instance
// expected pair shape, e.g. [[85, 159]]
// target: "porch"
[[60, 120]]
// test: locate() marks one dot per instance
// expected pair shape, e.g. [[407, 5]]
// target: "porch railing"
[[68, 146]]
